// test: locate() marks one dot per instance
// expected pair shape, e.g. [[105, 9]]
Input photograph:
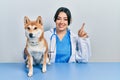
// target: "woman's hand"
[[82, 33]]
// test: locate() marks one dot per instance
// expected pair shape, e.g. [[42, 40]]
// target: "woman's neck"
[[61, 34]]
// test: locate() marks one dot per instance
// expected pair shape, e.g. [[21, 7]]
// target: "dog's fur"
[[36, 49]]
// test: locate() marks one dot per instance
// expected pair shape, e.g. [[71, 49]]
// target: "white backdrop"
[[102, 18]]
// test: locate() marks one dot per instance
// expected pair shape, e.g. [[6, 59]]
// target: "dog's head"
[[33, 29]]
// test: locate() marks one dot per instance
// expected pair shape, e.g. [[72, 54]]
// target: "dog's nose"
[[31, 35]]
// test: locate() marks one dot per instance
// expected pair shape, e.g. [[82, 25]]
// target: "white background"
[[102, 18]]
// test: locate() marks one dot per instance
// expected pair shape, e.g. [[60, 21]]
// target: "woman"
[[64, 46]]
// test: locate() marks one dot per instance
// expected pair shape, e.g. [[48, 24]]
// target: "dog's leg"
[[27, 63], [44, 62], [48, 59], [30, 65], [26, 55]]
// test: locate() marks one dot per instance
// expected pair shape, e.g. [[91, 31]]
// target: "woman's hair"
[[65, 10]]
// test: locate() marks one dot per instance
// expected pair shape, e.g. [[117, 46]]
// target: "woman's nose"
[[62, 21]]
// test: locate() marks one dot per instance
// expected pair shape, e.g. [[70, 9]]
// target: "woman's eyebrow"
[[61, 17], [64, 17]]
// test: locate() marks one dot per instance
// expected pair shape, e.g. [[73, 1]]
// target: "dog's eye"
[[35, 28], [28, 28]]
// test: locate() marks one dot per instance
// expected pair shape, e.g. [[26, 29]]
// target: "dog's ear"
[[26, 20], [39, 20]]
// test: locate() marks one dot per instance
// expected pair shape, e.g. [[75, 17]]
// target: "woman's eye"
[[66, 19], [58, 18]]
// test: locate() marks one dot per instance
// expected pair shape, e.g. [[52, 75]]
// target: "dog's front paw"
[[44, 69], [30, 73]]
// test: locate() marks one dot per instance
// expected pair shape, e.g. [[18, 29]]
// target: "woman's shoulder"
[[50, 31]]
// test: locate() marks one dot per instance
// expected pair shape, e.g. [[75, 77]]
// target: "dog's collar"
[[33, 42]]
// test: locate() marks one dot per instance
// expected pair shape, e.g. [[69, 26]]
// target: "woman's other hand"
[[82, 33]]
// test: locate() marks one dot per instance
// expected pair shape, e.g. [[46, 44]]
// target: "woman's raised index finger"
[[82, 26]]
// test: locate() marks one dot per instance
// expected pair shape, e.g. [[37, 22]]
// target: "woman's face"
[[61, 22]]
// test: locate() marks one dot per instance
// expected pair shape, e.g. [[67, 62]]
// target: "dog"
[[36, 49]]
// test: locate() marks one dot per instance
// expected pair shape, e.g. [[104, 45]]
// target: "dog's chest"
[[37, 47], [37, 56], [36, 50]]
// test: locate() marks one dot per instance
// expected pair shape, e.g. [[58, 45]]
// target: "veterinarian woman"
[[64, 45]]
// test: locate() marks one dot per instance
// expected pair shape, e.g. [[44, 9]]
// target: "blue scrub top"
[[63, 48]]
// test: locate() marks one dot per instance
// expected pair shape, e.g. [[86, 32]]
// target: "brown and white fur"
[[36, 49]]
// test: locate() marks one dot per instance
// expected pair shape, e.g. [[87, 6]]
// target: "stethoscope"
[[53, 35], [53, 50]]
